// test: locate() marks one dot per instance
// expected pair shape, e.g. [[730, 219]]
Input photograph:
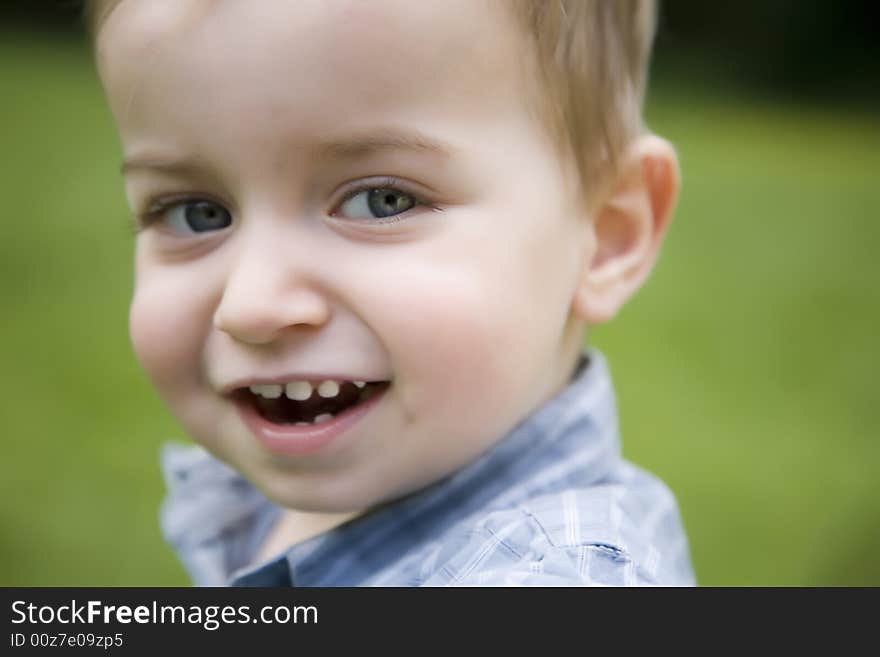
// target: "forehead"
[[306, 66]]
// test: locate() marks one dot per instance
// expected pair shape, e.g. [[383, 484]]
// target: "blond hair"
[[592, 63], [592, 58]]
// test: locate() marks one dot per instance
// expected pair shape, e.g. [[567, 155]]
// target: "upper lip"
[[246, 382]]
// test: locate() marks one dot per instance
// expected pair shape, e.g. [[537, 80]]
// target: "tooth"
[[323, 417], [301, 424], [360, 384], [298, 390], [328, 389], [271, 391]]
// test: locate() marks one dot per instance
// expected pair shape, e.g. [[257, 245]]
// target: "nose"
[[270, 289]]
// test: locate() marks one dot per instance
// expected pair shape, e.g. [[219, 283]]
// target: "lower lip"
[[293, 440]]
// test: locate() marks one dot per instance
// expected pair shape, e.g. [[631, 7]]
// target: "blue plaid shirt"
[[552, 503]]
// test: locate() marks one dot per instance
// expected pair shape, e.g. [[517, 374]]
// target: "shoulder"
[[211, 515], [620, 533]]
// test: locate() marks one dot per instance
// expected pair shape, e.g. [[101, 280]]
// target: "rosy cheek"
[[163, 337], [451, 345]]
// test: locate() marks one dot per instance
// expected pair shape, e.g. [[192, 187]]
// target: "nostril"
[[250, 328]]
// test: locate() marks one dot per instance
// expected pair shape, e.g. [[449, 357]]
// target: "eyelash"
[[160, 207], [385, 183]]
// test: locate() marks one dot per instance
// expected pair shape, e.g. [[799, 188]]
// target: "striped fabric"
[[551, 504]]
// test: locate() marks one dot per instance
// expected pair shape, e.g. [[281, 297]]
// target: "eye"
[[196, 217], [377, 203]]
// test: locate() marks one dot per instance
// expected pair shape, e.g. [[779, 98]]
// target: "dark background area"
[[809, 49]]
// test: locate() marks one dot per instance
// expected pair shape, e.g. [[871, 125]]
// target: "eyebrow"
[[353, 147], [168, 165], [375, 141]]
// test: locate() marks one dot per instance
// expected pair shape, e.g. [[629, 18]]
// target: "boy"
[[371, 236]]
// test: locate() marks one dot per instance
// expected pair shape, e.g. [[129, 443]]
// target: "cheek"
[[455, 333], [481, 322], [170, 317], [166, 329]]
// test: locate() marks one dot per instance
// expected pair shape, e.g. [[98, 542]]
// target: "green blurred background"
[[746, 369]]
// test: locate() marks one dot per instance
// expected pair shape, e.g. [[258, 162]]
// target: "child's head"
[[442, 196]]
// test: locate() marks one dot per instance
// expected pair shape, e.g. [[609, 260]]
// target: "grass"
[[745, 368]]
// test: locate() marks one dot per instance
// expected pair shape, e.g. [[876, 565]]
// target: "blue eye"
[[377, 203], [197, 217]]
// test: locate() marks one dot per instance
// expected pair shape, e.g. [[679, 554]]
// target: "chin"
[[312, 496]]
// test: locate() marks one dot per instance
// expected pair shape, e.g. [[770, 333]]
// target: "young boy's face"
[[261, 127]]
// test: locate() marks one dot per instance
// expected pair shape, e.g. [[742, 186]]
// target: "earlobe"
[[629, 226]]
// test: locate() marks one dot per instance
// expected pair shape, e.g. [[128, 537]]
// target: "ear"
[[629, 225]]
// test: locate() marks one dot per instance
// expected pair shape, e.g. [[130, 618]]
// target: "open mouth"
[[305, 403]]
